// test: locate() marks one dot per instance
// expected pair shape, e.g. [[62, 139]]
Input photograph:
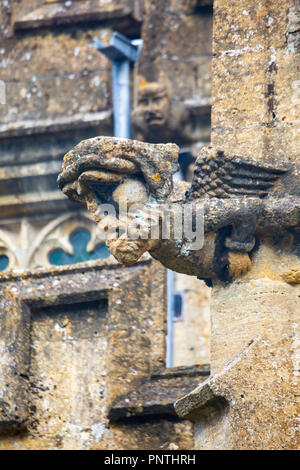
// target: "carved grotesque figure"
[[153, 106], [244, 201], [158, 118]]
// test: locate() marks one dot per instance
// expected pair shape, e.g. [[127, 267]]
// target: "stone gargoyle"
[[242, 200], [158, 117]]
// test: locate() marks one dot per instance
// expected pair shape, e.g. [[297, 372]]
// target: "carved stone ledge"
[[157, 396], [14, 364], [58, 12], [59, 124]]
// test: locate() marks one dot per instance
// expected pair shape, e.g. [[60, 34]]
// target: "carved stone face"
[[153, 104]]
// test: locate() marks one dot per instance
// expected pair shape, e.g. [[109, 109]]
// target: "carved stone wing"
[[221, 175]]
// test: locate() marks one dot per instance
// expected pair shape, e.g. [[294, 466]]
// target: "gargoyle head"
[[159, 117], [108, 170], [153, 104], [101, 164]]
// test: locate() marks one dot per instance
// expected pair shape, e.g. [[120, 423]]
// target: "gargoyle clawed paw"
[[239, 264]]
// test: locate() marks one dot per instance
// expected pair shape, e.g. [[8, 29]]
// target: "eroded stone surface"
[[242, 200], [240, 409], [251, 400], [87, 315]]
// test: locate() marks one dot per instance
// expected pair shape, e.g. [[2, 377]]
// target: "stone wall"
[[255, 78], [82, 360], [251, 399], [178, 43]]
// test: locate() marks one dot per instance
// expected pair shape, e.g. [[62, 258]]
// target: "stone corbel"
[[245, 203]]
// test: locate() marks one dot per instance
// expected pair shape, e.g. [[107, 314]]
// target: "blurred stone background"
[[58, 92]]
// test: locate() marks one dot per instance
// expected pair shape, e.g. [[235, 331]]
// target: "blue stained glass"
[[79, 239], [4, 262]]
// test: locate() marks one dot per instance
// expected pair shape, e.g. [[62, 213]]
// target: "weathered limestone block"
[[251, 403], [271, 311], [255, 78], [176, 37], [37, 13], [48, 77], [161, 434], [93, 360], [251, 400]]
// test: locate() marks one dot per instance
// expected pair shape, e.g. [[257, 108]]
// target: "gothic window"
[[79, 240], [4, 262], [41, 242]]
